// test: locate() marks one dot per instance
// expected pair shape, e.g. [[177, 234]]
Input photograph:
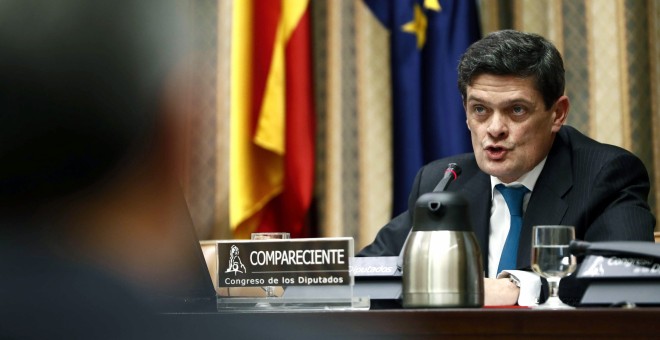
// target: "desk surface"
[[406, 324]]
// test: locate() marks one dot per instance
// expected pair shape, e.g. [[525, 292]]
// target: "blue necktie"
[[514, 200]]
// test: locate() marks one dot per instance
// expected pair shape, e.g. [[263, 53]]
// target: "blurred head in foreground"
[[89, 127], [82, 89]]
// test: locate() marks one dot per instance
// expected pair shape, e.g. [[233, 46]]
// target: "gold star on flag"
[[433, 5], [417, 26]]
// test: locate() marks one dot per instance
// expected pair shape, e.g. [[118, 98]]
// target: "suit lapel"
[[546, 205]]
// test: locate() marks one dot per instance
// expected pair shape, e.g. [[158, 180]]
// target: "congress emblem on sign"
[[235, 263]]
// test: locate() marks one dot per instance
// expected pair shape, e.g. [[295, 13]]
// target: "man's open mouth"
[[495, 152]]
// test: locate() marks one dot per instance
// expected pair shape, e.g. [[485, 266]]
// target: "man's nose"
[[497, 126]]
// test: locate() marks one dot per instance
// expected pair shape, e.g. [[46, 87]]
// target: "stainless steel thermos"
[[442, 265]]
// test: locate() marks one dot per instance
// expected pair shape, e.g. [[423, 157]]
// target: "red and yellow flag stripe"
[[272, 118]]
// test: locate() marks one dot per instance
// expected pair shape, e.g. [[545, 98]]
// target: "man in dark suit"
[[512, 85]]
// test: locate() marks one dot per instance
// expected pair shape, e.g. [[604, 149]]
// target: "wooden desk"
[[636, 323]]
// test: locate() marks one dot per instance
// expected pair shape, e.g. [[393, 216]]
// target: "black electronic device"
[[619, 272], [379, 279]]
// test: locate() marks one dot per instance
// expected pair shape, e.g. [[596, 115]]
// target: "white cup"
[[271, 236]]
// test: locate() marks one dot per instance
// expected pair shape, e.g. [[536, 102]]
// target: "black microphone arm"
[[452, 172]]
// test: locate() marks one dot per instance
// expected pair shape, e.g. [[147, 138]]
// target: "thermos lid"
[[441, 211]]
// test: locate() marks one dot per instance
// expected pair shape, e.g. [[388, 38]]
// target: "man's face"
[[511, 129]]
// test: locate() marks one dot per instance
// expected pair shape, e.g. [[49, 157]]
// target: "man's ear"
[[560, 113]]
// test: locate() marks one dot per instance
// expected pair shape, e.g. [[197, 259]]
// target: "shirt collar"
[[528, 180]]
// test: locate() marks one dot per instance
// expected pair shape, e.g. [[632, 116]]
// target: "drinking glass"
[[551, 258], [270, 290], [271, 235]]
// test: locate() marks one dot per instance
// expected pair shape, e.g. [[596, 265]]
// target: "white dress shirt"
[[500, 219]]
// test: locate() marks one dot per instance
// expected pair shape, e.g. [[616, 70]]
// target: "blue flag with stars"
[[427, 40]]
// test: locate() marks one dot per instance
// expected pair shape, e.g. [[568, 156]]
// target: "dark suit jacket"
[[600, 189]]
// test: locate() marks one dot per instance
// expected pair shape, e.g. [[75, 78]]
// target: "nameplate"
[[381, 266], [292, 262], [595, 266]]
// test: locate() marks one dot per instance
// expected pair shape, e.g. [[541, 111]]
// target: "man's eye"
[[480, 110], [518, 110]]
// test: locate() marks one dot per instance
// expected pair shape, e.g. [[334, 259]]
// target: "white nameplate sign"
[[288, 262]]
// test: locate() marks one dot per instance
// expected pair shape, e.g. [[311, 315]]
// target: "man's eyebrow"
[[472, 98], [508, 102]]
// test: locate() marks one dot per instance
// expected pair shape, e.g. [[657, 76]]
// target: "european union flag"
[[428, 38]]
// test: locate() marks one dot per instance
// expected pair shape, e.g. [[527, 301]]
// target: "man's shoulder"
[[586, 156], [580, 144]]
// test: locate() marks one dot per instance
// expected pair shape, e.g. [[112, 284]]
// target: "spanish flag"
[[272, 117]]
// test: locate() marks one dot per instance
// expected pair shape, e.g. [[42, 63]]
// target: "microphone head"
[[454, 169], [452, 172], [579, 248]]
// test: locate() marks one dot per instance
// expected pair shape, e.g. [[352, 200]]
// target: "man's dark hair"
[[514, 53], [80, 86]]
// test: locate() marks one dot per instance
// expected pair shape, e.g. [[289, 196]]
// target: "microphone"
[[579, 248], [451, 173]]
